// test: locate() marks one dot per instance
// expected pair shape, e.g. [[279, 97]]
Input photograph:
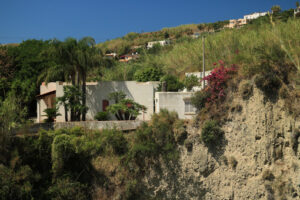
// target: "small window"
[[105, 104], [188, 107]]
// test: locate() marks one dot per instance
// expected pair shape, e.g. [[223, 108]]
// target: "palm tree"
[[61, 69], [75, 58], [88, 57]]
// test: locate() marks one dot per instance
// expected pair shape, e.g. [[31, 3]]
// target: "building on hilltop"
[[255, 15], [129, 57], [161, 43], [236, 23]]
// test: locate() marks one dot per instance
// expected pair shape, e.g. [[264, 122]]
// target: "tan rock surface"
[[258, 159]]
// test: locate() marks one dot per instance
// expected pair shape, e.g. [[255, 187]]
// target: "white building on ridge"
[[255, 15]]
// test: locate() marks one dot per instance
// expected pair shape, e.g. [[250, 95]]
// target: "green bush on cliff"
[[155, 139], [268, 82], [62, 152], [67, 189], [211, 132], [199, 99]]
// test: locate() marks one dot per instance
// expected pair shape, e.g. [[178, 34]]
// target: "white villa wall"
[[41, 105], [61, 109], [173, 101], [142, 93], [44, 88]]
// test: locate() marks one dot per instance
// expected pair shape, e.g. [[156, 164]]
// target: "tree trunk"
[[84, 95], [66, 112], [78, 113], [73, 116]]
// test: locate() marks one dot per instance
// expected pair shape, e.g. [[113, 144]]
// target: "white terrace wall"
[[142, 93], [175, 101]]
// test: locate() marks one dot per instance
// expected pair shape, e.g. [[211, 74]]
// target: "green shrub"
[[67, 189], [126, 109], [268, 82], [155, 139], [102, 116], [15, 184], [190, 82], [211, 132], [149, 74], [62, 151], [173, 83], [180, 132], [51, 114], [114, 140], [199, 99], [134, 191]]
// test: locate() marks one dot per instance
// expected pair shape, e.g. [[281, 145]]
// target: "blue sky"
[[102, 20]]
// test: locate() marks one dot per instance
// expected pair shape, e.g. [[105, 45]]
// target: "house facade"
[[97, 97], [144, 93], [179, 102]]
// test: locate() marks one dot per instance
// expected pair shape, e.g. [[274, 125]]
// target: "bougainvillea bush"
[[217, 81]]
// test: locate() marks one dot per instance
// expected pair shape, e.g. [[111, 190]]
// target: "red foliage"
[[217, 81]]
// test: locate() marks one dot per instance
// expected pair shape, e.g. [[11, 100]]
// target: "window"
[[105, 103], [188, 107]]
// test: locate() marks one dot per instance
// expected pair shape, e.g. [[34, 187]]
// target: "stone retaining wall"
[[93, 125]]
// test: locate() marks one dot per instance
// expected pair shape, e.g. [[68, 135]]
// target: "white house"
[[97, 97], [162, 43], [199, 75], [255, 15], [143, 93], [179, 102]]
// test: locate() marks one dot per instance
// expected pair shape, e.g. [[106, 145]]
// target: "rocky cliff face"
[[257, 159]]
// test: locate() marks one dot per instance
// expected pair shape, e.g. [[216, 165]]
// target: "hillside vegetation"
[[267, 40]]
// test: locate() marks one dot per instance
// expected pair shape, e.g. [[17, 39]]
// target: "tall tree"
[[7, 71], [88, 57], [28, 63]]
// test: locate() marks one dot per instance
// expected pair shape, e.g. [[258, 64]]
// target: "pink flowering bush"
[[217, 81]]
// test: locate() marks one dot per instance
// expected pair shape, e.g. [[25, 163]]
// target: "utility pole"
[[203, 68]]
